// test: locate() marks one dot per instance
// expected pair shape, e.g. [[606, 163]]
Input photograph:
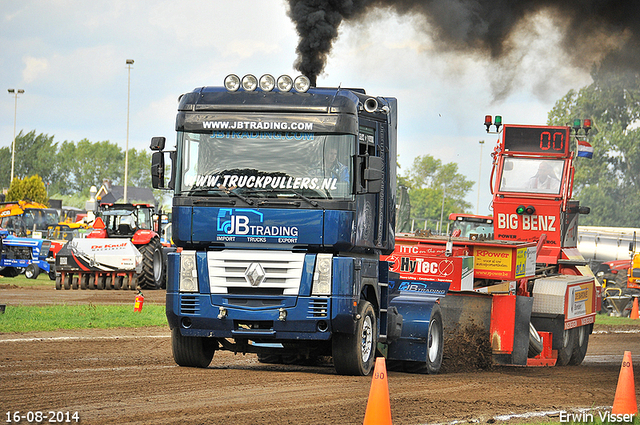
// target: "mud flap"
[[510, 329]]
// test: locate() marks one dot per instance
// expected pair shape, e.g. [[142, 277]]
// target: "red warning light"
[[488, 121]]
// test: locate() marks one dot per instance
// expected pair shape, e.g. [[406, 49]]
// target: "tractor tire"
[[9, 272], [354, 354], [566, 350], [580, 345], [435, 345], [153, 269], [191, 351], [535, 342], [32, 271], [52, 275]]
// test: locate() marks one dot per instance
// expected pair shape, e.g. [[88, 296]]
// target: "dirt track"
[[128, 376]]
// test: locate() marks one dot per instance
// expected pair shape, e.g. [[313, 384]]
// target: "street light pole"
[[479, 176], [126, 153], [15, 94]]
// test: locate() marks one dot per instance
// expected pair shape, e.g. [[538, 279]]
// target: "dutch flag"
[[585, 150]]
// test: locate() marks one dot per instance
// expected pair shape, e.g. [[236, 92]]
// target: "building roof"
[[112, 194]]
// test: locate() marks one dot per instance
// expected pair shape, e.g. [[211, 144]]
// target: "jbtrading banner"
[[289, 125]]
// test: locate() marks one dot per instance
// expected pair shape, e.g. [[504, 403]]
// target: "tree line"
[[69, 169]]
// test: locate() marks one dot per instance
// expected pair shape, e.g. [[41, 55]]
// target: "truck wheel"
[[580, 345], [355, 354], [435, 345], [566, 350], [9, 271], [535, 342], [152, 276], [191, 351], [32, 271]]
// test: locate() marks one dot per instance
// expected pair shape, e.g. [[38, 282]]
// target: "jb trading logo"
[[246, 222]]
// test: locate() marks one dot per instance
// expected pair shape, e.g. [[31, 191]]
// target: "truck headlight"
[[322, 275], [188, 272]]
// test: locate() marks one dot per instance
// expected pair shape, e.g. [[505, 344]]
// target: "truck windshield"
[[532, 175], [266, 165]]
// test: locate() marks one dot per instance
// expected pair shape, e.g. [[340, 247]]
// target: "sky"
[[70, 58]]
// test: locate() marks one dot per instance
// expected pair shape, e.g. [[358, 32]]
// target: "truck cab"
[[284, 200]]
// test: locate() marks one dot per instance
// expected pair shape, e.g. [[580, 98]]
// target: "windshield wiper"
[[236, 194], [301, 196]]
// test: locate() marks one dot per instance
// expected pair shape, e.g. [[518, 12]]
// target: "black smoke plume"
[[591, 28]]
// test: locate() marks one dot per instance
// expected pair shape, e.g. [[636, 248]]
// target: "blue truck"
[[284, 201]]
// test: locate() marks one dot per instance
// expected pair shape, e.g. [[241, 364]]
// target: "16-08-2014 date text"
[[42, 416]]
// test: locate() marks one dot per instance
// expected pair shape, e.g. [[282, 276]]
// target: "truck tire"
[[535, 342], [566, 350], [580, 345], [32, 271], [435, 344], [355, 354], [153, 272], [191, 351]]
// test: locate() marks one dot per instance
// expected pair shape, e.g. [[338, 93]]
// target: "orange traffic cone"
[[634, 310], [625, 399], [378, 407]]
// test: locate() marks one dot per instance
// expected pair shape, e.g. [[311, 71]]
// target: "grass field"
[[54, 317]]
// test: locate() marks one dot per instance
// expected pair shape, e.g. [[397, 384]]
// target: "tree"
[[34, 155], [610, 182], [31, 188], [431, 185]]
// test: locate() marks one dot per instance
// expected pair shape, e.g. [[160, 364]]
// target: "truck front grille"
[[228, 269]]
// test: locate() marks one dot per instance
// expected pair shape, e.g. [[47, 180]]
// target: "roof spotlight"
[[284, 83], [301, 84], [249, 82], [232, 82], [267, 82]]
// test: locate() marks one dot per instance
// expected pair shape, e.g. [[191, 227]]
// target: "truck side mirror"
[[157, 170], [157, 143], [373, 174]]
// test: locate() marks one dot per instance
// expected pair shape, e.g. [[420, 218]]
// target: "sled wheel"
[[74, 282], [84, 281], [133, 282], [117, 282], [58, 282], [107, 282], [580, 345], [354, 354], [67, 281], [100, 282]]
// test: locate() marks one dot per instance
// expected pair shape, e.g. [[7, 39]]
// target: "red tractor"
[[139, 223]]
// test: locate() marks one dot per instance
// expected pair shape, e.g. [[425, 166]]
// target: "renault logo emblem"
[[254, 274]]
